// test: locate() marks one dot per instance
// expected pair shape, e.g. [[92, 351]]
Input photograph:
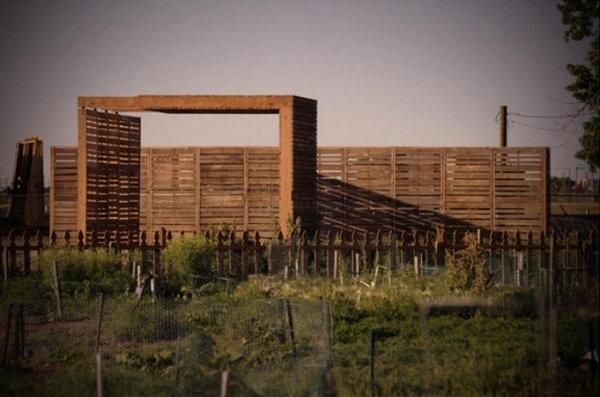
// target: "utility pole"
[[503, 133]]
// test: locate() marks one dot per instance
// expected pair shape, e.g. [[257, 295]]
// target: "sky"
[[384, 72]]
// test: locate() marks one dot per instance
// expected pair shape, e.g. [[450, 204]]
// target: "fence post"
[[542, 260], [578, 251], [257, 252], [4, 261], [291, 324], [233, 266], [156, 258], [529, 258], [330, 254], [56, 287], [504, 247], [143, 249], [39, 246], [392, 251], [340, 256], [224, 382], [416, 253], [99, 390], [26, 253], [12, 252], [18, 342], [220, 255], [305, 249], [372, 360], [7, 336], [552, 324], [245, 244], [440, 250], [355, 255], [21, 331], [99, 325], [404, 246], [67, 238]]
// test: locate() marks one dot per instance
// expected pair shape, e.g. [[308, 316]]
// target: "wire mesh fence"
[[276, 347]]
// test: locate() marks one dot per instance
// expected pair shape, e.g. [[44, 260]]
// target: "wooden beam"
[[230, 104]]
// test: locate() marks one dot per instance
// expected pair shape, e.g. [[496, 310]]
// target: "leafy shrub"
[[85, 273], [186, 257], [467, 269]]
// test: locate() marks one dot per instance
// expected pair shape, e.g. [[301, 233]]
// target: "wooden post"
[[372, 360], [504, 245], [12, 251], [291, 324], [392, 251], [16, 341], [552, 325], [7, 336], [244, 247], [257, 253], [224, 381], [232, 264], [56, 286], [26, 253], [4, 261], [99, 326], [503, 127], [156, 258], [21, 331], [99, 391], [331, 256]]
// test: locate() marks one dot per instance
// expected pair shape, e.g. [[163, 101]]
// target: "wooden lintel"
[[190, 103]]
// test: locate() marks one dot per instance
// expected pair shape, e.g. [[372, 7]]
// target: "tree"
[[581, 19]]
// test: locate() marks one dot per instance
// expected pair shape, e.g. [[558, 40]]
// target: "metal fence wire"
[[271, 347]]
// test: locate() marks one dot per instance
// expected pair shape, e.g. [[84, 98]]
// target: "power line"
[[535, 127], [538, 117]]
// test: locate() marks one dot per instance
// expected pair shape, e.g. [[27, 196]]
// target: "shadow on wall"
[[343, 206]]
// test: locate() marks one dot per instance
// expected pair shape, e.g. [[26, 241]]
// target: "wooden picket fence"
[[576, 257]]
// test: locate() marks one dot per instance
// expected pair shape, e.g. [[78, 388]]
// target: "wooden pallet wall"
[[109, 181], [404, 188], [304, 161], [196, 188], [358, 188], [63, 191]]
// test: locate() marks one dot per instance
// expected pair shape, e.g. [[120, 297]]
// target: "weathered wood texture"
[[401, 188], [196, 188], [26, 199], [297, 140], [63, 188], [358, 189], [109, 172], [304, 161]]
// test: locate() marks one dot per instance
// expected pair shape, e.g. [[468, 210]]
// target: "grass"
[[578, 208], [476, 345]]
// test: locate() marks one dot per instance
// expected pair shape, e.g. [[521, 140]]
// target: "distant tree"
[[582, 19], [560, 185]]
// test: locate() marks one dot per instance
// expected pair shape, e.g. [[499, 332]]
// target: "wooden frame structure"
[[109, 152]]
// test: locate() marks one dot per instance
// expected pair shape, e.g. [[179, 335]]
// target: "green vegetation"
[[467, 268], [188, 260], [446, 334]]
